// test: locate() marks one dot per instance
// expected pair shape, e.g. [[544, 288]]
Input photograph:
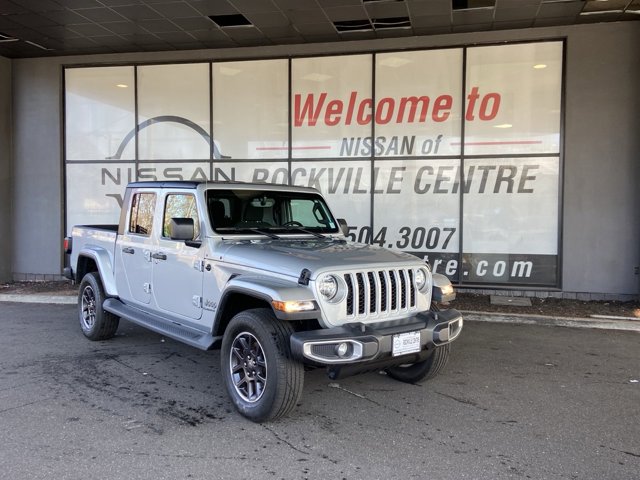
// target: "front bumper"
[[368, 347]]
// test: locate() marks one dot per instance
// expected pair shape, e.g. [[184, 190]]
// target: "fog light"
[[342, 349]]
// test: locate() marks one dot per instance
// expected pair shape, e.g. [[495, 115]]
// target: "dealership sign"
[[469, 180]]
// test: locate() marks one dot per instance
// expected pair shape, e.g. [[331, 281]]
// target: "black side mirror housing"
[[342, 223], [181, 229]]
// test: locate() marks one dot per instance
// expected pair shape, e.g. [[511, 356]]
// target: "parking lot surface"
[[515, 401]]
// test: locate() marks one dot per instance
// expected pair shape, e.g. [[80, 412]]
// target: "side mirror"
[[342, 223], [181, 229]]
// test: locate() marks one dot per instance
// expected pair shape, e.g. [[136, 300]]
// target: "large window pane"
[[346, 185], [513, 99], [417, 112], [511, 220], [417, 210], [331, 107], [250, 109], [95, 192], [99, 113], [173, 112]]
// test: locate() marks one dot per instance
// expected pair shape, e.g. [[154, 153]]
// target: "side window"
[[180, 206], [141, 216]]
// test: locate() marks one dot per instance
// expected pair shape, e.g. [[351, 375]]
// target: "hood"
[[291, 256]]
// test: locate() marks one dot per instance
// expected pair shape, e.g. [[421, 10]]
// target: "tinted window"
[[141, 216], [239, 210], [180, 206]]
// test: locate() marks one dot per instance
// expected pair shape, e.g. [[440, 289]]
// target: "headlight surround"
[[421, 277], [329, 288]]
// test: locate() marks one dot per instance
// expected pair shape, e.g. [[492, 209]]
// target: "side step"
[[168, 328]]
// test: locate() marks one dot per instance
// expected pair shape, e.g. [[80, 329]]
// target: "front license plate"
[[404, 343]]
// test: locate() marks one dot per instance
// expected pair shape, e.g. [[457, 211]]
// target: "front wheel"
[[95, 321], [261, 377], [424, 370]]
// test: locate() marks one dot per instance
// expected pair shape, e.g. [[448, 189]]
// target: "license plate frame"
[[405, 343]]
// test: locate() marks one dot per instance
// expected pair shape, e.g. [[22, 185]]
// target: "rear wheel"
[[261, 377], [95, 321]]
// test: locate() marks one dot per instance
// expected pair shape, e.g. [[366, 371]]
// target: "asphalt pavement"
[[516, 401]]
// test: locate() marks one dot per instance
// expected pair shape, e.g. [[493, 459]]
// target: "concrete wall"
[[37, 170], [601, 226], [602, 161], [5, 169]]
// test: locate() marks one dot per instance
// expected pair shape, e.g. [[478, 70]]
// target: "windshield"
[[269, 212]]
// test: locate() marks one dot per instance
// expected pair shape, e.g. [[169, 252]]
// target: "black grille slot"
[[412, 290], [361, 293], [347, 279], [373, 294], [394, 290], [383, 291], [403, 289]]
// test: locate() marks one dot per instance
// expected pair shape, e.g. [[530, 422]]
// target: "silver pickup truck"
[[265, 274]]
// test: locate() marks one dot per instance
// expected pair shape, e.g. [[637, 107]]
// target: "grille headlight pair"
[[421, 277], [330, 288]]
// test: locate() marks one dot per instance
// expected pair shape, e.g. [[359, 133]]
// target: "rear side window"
[[141, 216]]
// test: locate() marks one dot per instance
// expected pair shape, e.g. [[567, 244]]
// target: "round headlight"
[[421, 278], [328, 287]]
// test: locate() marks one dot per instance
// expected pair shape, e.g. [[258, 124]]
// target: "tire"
[[262, 379], [96, 323], [424, 370]]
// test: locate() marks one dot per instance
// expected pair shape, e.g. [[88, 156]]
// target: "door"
[[177, 265], [134, 248]]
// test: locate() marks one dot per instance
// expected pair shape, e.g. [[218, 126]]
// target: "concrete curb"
[[572, 322], [472, 316], [33, 298]]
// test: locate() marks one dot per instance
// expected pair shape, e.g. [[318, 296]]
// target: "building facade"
[[507, 159]]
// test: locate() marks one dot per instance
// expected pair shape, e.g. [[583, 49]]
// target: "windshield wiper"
[[304, 230], [247, 229]]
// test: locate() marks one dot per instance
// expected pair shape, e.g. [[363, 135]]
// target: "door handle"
[[128, 250], [159, 256]]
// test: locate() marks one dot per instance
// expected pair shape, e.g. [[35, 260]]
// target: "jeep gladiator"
[[266, 274]]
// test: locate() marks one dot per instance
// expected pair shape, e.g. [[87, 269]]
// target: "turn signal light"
[[294, 306]]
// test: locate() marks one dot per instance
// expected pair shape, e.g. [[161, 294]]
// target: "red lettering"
[[442, 108], [382, 117], [352, 103], [413, 102], [495, 106], [409, 109], [307, 109], [334, 109], [471, 105], [362, 118]]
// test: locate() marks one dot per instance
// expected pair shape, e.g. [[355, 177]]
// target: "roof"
[[192, 185]]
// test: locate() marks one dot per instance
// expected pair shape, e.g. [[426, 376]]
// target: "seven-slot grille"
[[380, 291]]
